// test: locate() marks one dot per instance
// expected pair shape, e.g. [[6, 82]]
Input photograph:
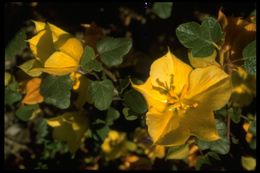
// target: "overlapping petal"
[[169, 68]]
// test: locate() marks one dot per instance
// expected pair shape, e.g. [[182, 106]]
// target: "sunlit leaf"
[[32, 91], [30, 67], [178, 152], [56, 90], [248, 163], [70, 127], [249, 55], [8, 78], [112, 50], [163, 9]]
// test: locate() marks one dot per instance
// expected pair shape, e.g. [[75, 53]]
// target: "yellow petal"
[[70, 46], [167, 66], [201, 123], [210, 86], [159, 124], [153, 97], [198, 62], [42, 45], [39, 26], [56, 32], [60, 60]]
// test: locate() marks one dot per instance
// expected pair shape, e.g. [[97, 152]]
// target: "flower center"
[[175, 101]]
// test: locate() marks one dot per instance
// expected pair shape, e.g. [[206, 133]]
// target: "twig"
[[110, 74]]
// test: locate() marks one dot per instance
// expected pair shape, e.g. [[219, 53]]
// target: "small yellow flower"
[[181, 100], [75, 77], [56, 51]]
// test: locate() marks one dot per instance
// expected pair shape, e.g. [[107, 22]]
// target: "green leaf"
[[101, 92], [201, 39], [102, 132], [212, 28], [56, 90], [248, 163], [163, 9], [178, 152], [88, 61], [135, 101], [252, 144], [221, 146], [112, 115], [24, 113], [112, 50], [11, 94], [16, 45], [41, 129], [129, 115], [249, 55], [213, 155], [202, 160], [252, 127], [234, 114], [29, 65]]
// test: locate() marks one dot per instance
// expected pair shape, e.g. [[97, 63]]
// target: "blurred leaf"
[[88, 61], [16, 45], [178, 152], [234, 114], [252, 127], [248, 163], [252, 144], [249, 55], [101, 93], [70, 127], [8, 78], [129, 115], [200, 38], [213, 155], [42, 130], [56, 90], [112, 115], [24, 113], [131, 146], [234, 140], [163, 9], [11, 94], [29, 65], [135, 101], [112, 50], [102, 132], [202, 160]]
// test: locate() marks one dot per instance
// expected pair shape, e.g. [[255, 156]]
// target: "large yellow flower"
[[181, 100], [55, 50]]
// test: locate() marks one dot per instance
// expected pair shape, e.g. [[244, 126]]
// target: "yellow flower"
[[55, 50], [75, 77], [181, 100]]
